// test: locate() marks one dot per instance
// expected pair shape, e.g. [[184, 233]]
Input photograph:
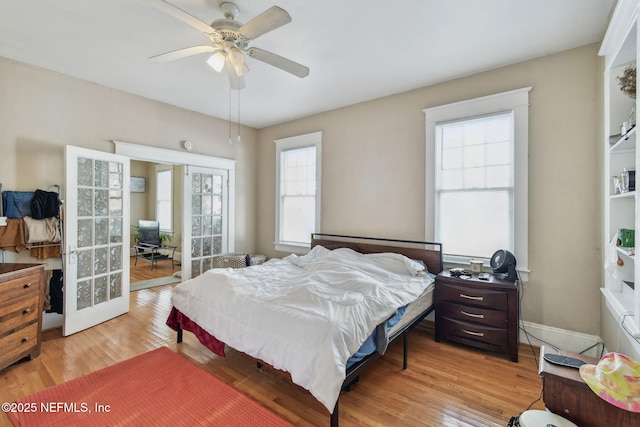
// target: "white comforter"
[[305, 315]]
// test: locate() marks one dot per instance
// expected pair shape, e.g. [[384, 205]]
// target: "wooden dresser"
[[21, 304], [479, 313], [566, 394]]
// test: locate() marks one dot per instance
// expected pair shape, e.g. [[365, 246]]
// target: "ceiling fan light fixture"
[[241, 69], [230, 41], [236, 57], [217, 61]]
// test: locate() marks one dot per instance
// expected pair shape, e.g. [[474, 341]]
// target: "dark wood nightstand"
[[566, 394], [479, 313]]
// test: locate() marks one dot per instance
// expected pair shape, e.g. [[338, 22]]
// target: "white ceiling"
[[357, 50]]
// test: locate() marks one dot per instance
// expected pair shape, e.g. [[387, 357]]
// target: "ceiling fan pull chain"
[[230, 141], [239, 140]]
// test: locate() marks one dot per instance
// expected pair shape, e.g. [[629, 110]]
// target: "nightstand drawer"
[[478, 313], [471, 296], [19, 313], [483, 336], [484, 316], [20, 286]]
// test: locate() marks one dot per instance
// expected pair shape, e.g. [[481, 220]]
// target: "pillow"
[[317, 252], [421, 262], [415, 266]]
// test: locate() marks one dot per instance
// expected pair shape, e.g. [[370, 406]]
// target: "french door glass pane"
[[206, 220], [102, 231], [99, 232]]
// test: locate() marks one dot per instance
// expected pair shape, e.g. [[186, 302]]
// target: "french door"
[[96, 238], [205, 214]]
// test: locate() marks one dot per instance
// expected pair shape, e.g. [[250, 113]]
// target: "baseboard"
[[563, 339]]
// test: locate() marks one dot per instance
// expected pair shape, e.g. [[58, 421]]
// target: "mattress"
[[414, 309], [394, 325], [310, 329]]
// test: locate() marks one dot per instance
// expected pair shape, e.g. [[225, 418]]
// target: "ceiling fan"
[[231, 39]]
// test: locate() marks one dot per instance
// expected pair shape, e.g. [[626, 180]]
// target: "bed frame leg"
[[347, 387], [179, 335], [405, 363], [334, 415]]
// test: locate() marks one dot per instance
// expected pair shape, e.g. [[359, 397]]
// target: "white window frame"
[[163, 169], [301, 141], [517, 101]]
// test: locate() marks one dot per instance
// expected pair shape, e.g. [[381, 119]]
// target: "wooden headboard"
[[429, 252]]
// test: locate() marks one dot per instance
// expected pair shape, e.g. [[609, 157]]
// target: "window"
[[474, 168], [298, 167], [164, 199], [477, 194]]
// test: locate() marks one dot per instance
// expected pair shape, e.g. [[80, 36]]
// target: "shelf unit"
[[620, 50]]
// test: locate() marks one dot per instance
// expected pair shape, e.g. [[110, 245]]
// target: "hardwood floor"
[[445, 384], [142, 271]]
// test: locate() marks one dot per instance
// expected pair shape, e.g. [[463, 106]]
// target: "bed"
[[321, 318]]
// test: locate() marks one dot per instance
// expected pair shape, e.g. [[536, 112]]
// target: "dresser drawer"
[[20, 286], [473, 314], [18, 313], [21, 303], [471, 296], [17, 345], [472, 333]]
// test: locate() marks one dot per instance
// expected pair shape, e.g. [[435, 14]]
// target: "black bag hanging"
[[55, 292]]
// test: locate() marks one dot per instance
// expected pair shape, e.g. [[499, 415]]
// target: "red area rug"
[[159, 388]]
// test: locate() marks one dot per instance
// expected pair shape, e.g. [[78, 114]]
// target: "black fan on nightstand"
[[503, 264]]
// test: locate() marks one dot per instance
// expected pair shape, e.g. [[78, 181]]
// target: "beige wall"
[[139, 201], [373, 168], [42, 111], [143, 205], [373, 162]]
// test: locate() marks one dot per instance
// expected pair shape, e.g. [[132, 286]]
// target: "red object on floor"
[[158, 388], [177, 320]]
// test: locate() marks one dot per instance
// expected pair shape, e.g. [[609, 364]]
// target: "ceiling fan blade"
[[183, 53], [236, 81], [180, 14], [268, 20], [279, 62]]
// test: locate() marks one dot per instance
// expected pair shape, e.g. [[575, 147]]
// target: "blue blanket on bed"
[[369, 345]]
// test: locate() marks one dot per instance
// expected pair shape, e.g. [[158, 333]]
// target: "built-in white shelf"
[[626, 195], [620, 152], [628, 252], [626, 142]]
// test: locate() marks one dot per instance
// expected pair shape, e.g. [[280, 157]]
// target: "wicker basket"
[[231, 260]]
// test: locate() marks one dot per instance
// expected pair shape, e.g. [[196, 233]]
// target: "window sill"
[[298, 249]]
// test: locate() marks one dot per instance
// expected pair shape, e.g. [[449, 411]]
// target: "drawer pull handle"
[[471, 297], [27, 285], [26, 311], [475, 334], [477, 316], [25, 339]]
